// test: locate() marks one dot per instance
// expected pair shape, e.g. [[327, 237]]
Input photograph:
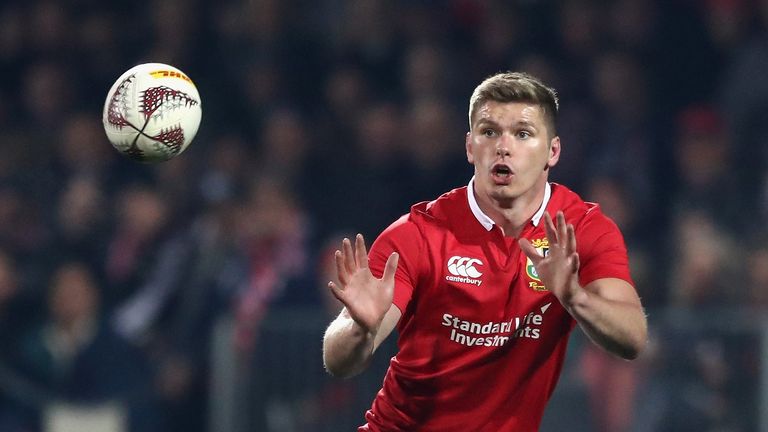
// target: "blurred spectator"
[[273, 230], [613, 384], [14, 314], [76, 356], [48, 92], [102, 47], [83, 149], [346, 95], [499, 36], [579, 30], [18, 311], [189, 285], [308, 399], [624, 143], [285, 154], [329, 404], [616, 202], [23, 233], [11, 33], [727, 23], [371, 185], [170, 28], [757, 280], [701, 384], [433, 135], [579, 24], [81, 221], [141, 223], [425, 75], [743, 95], [703, 263], [632, 24], [224, 175], [705, 169], [49, 28]]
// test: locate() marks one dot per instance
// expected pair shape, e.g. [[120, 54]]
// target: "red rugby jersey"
[[481, 341]]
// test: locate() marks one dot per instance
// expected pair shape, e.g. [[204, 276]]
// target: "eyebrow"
[[490, 122], [486, 121]]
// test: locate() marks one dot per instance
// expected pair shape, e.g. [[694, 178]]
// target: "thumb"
[[530, 251], [390, 267]]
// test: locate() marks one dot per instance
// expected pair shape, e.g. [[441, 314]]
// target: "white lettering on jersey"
[[491, 333]]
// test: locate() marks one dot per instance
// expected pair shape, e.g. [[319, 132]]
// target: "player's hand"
[[558, 270], [366, 298]]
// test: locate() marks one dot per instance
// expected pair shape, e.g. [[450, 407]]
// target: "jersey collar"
[[487, 222]]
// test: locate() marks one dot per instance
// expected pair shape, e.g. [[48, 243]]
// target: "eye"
[[523, 134], [489, 133]]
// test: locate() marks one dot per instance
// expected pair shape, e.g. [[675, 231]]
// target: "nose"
[[504, 145], [502, 150]]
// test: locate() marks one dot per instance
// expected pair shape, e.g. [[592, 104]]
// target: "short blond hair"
[[517, 87]]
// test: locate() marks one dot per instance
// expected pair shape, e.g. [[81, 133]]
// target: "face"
[[73, 295], [511, 149]]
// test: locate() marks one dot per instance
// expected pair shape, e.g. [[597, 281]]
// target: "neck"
[[512, 214]]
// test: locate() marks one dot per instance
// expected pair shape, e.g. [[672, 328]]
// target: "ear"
[[468, 146], [554, 152]]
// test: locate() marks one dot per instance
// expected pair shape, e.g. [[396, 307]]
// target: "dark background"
[[326, 118]]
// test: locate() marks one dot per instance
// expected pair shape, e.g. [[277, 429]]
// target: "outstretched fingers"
[[562, 228], [361, 254], [390, 267], [341, 269], [571, 236], [349, 256], [530, 251], [550, 230]]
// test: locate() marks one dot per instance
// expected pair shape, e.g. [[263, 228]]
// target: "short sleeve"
[[405, 238], [601, 248]]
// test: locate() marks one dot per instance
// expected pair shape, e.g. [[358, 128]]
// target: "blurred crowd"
[[326, 118]]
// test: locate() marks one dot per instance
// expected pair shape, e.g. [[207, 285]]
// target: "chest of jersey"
[[484, 292]]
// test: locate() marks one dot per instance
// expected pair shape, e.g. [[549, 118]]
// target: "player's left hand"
[[559, 269]]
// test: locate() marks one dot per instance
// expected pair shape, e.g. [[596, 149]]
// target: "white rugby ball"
[[152, 112]]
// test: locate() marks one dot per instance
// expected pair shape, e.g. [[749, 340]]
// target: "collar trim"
[[540, 213], [487, 222]]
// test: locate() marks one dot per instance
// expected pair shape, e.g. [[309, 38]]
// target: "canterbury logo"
[[462, 266]]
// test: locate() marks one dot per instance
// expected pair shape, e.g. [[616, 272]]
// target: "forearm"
[[618, 326], [347, 347]]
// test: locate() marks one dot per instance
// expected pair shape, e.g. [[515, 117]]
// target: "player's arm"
[[368, 316], [610, 313], [348, 347], [607, 309]]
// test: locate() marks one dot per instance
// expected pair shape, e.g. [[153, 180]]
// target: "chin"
[[506, 192]]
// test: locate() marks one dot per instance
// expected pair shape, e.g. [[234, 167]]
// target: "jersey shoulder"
[[577, 211], [447, 211], [427, 219]]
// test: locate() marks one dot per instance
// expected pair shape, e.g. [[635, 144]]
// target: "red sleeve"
[[403, 237], [601, 247]]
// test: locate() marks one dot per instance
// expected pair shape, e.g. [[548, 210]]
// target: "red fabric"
[[479, 353]]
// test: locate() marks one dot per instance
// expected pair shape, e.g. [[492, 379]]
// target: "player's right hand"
[[366, 298]]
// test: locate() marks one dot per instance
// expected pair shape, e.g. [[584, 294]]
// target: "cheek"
[[537, 158], [477, 153]]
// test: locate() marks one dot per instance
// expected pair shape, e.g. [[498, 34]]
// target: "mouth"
[[502, 174]]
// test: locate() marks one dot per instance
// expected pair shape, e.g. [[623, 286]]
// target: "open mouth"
[[502, 171], [502, 174]]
